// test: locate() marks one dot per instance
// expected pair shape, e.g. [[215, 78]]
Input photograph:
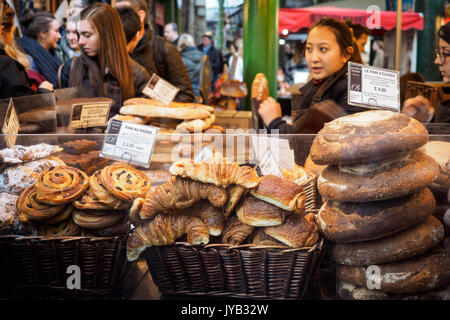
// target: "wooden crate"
[[230, 119]]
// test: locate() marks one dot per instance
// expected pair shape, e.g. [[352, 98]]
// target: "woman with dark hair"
[[13, 63], [104, 56], [329, 48], [41, 36]]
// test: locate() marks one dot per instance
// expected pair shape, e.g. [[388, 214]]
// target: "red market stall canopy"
[[296, 19]]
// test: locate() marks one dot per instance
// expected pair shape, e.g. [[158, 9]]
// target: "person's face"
[[51, 38], [206, 41], [170, 34], [361, 42], [323, 54], [444, 62], [75, 8], [88, 38], [72, 36], [7, 36]]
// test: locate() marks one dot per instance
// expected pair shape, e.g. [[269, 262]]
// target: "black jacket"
[[168, 64], [312, 108], [216, 61]]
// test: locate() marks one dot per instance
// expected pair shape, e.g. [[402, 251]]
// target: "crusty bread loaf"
[[258, 213], [345, 222], [380, 181], [184, 113], [297, 232], [421, 273], [402, 245], [37, 115], [280, 192], [314, 168], [367, 136]]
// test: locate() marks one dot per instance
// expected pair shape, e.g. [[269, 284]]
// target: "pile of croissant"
[[220, 201], [66, 202]]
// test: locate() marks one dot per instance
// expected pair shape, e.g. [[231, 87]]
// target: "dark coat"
[[310, 113], [172, 70], [192, 59], [14, 81], [216, 61]]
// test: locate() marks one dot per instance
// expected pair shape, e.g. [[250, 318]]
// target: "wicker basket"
[[39, 264], [244, 271]]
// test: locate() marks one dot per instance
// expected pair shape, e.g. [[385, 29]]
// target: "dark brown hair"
[[358, 29], [112, 51], [343, 34], [35, 21]]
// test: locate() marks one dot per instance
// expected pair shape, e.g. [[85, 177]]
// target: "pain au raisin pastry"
[[63, 215], [59, 185], [100, 192], [164, 230], [65, 228], [125, 182], [96, 219], [219, 174], [29, 207], [179, 193]]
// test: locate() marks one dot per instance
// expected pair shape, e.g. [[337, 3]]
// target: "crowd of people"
[[48, 57]]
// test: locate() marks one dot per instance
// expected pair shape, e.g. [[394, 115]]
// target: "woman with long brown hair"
[[104, 56]]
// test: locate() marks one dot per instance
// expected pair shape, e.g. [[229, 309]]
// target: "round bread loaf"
[[314, 168], [402, 245], [367, 136], [280, 192], [345, 222], [258, 213], [421, 273], [381, 181]]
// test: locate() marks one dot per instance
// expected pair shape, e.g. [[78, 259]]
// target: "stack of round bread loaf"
[[378, 210]]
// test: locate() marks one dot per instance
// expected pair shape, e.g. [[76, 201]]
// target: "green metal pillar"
[[428, 39], [261, 43], [220, 26], [169, 11]]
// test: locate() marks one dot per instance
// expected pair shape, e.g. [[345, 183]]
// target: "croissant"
[[211, 216], [234, 194], [164, 230], [236, 232], [179, 193], [220, 174]]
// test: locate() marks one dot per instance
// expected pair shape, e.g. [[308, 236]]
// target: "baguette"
[[183, 113]]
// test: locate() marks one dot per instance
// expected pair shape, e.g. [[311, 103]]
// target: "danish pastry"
[[102, 195], [63, 215], [125, 182], [65, 228], [89, 220], [59, 185], [30, 208]]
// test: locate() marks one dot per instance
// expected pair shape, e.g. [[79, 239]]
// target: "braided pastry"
[[30, 208], [125, 182], [59, 185], [164, 230], [219, 174], [64, 228], [103, 195], [65, 214], [95, 220], [179, 193]]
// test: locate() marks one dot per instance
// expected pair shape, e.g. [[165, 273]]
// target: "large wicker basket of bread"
[[64, 219], [217, 228]]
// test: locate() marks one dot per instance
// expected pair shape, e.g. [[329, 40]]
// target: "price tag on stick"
[[203, 155], [268, 165], [373, 88], [89, 115], [160, 89], [11, 125], [129, 142]]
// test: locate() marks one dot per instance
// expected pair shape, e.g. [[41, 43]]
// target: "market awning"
[[296, 19]]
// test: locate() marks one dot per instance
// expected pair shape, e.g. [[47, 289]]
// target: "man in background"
[[214, 55], [171, 33]]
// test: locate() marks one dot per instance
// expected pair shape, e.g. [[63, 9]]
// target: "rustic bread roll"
[[421, 273], [345, 222], [381, 181], [38, 114], [280, 192], [297, 232], [258, 213], [402, 245], [367, 136]]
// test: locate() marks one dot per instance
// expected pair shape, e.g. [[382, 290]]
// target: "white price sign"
[[373, 88], [89, 115], [280, 149], [11, 125], [129, 142], [160, 89], [203, 155], [268, 165]]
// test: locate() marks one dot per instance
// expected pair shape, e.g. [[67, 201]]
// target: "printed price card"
[[373, 88], [280, 149], [160, 89], [89, 115], [203, 155], [11, 125], [268, 165], [129, 142]]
